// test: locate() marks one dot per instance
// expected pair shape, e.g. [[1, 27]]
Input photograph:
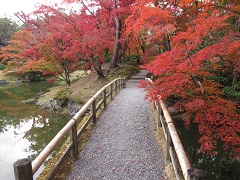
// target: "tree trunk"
[[99, 72], [114, 60], [166, 43], [67, 76]]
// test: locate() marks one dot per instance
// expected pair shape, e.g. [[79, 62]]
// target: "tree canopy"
[[199, 45], [192, 48]]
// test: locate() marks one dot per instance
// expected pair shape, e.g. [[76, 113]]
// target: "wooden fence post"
[[119, 84], [196, 174], [116, 87], [161, 116], [111, 90], [168, 143], [124, 82], [94, 111], [159, 110], [104, 98], [74, 140], [23, 169]]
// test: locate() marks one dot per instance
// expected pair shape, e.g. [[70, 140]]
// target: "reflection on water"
[[24, 129], [212, 166]]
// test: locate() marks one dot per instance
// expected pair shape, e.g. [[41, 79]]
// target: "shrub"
[[62, 95], [232, 90], [2, 66], [229, 169]]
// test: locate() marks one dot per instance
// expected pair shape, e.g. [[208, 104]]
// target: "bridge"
[[123, 143]]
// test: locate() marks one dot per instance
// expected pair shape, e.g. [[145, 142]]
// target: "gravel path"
[[123, 144]]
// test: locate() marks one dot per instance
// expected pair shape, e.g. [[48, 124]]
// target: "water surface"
[[218, 167], [25, 129]]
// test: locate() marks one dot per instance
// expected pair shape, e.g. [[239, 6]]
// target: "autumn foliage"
[[191, 47], [203, 41]]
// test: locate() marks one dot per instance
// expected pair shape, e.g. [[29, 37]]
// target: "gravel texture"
[[123, 144]]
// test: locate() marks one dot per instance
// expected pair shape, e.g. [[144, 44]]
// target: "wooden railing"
[[174, 149], [24, 169]]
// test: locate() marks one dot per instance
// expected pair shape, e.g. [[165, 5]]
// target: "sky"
[[9, 7]]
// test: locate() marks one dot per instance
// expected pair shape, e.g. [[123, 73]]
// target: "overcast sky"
[[9, 7]]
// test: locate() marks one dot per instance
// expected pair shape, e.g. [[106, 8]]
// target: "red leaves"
[[203, 44], [52, 80], [218, 120]]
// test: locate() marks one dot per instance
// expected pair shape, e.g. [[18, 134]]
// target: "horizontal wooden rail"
[[24, 169], [165, 121]]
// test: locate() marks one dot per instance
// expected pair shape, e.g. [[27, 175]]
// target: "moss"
[[2, 66], [62, 95]]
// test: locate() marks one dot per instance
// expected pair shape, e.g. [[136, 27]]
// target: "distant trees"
[[73, 40], [7, 28]]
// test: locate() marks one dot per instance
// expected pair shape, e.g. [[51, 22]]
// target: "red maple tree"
[[198, 40]]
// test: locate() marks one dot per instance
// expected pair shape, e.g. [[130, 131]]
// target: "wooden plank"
[[99, 105], [84, 126], [174, 163], [104, 96], [94, 112]]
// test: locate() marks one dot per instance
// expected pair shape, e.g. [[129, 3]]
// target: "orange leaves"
[[148, 17], [203, 27], [13, 52], [186, 2]]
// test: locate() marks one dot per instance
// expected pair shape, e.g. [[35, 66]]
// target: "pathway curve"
[[123, 145]]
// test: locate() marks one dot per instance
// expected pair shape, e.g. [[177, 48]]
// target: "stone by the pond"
[[3, 82], [55, 104], [52, 104], [29, 101], [73, 107]]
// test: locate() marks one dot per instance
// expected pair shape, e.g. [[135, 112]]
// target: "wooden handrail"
[[24, 169], [171, 136]]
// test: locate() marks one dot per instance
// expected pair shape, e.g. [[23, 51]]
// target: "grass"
[[89, 84], [8, 76]]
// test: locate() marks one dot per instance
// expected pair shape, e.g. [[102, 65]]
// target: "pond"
[[25, 129], [217, 168]]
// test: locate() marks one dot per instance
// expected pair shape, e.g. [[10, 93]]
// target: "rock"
[[46, 106], [29, 101], [17, 81], [55, 104], [3, 82], [52, 104], [73, 107], [41, 103]]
